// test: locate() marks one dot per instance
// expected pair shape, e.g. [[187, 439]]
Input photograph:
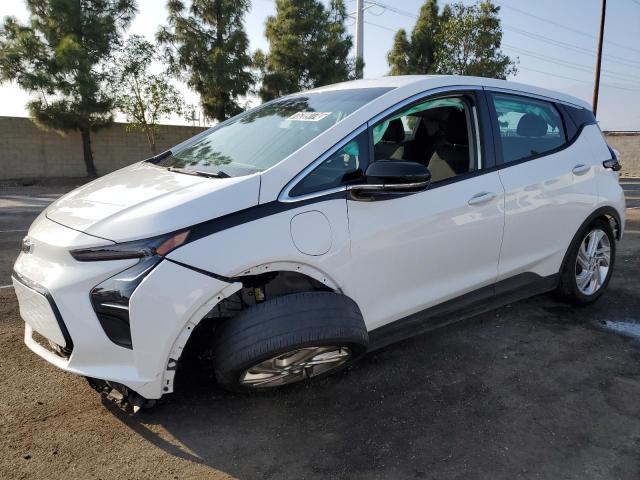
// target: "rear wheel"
[[289, 339], [589, 265]]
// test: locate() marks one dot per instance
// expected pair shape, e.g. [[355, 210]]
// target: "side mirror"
[[395, 176]]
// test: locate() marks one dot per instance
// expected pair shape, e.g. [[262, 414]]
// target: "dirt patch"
[[534, 390]]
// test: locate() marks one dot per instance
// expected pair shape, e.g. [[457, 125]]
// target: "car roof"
[[435, 81]]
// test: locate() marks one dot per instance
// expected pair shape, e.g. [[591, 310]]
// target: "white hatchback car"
[[305, 232]]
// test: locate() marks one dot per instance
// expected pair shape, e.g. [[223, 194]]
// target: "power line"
[[608, 85], [572, 47], [566, 63], [546, 20], [560, 25], [370, 9], [577, 49], [553, 74], [551, 41], [380, 26], [583, 50], [394, 9]]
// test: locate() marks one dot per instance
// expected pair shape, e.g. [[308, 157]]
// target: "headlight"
[[160, 245], [110, 300]]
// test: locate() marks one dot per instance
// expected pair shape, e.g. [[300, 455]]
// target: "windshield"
[[259, 138]]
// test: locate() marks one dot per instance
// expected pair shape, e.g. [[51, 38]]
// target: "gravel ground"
[[535, 390]]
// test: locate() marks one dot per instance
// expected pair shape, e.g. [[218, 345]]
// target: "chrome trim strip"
[[284, 194], [388, 186], [521, 93]]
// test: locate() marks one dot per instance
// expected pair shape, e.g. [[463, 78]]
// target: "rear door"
[[549, 180], [416, 251]]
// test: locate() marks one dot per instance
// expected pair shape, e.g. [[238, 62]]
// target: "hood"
[[144, 200]]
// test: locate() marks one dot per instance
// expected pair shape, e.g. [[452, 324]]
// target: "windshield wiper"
[[199, 173], [155, 159]]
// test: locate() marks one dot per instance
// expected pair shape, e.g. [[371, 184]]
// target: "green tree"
[[60, 57], [208, 43], [424, 38], [398, 57], [308, 47], [459, 40], [469, 42], [143, 97], [416, 56]]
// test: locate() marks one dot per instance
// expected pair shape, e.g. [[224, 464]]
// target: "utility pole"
[[359, 37], [596, 86]]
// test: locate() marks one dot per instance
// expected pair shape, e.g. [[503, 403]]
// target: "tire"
[[263, 337], [569, 289]]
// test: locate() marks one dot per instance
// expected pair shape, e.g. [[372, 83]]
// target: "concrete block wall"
[[29, 152], [628, 145], [26, 152]]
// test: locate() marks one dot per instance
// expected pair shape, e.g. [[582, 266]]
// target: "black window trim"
[[500, 163], [285, 196], [364, 162]]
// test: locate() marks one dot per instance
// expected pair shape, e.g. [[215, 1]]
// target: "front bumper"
[[164, 308], [40, 312]]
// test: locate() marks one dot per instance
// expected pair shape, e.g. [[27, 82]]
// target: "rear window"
[[528, 127], [259, 138]]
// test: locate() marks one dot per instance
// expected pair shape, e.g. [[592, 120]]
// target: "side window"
[[527, 126], [344, 165], [439, 133]]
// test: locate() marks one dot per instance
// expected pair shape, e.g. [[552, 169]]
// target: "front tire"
[[589, 264], [289, 339]]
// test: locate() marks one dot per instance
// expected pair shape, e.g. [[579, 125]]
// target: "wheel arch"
[[293, 267], [606, 212], [307, 278]]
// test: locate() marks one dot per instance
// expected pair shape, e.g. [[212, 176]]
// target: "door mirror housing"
[[395, 176]]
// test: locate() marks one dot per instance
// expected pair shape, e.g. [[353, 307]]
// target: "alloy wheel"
[[593, 262], [295, 366]]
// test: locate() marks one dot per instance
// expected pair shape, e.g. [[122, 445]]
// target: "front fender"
[[164, 309]]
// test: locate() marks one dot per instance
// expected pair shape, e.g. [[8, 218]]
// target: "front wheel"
[[589, 264], [289, 339]]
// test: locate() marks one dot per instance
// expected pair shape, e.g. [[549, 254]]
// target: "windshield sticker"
[[309, 116]]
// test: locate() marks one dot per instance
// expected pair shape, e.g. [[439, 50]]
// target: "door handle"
[[580, 169], [482, 197]]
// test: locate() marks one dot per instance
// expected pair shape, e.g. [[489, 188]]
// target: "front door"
[[416, 251]]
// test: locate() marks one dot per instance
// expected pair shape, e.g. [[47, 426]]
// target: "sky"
[[554, 41]]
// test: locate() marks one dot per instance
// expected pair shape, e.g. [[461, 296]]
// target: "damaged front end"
[[126, 399]]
